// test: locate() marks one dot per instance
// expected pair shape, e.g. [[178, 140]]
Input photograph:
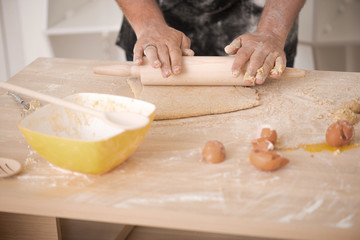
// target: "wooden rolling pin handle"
[[123, 70], [293, 73]]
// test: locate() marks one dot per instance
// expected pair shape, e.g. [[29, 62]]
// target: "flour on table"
[[174, 102]]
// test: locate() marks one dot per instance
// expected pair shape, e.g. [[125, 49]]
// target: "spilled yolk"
[[319, 147]]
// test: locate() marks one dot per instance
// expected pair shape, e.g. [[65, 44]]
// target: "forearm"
[[141, 13], [162, 45], [278, 17]]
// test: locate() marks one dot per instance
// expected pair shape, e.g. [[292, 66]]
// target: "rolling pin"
[[195, 71]]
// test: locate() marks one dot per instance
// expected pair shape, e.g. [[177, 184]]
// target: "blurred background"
[[329, 33]]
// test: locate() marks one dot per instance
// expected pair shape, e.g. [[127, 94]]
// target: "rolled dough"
[[174, 102]]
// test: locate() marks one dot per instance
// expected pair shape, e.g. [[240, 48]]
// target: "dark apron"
[[210, 24]]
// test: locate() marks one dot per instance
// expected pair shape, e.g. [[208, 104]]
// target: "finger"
[[151, 53], [188, 52], [163, 53], [138, 54], [280, 65], [248, 82], [263, 72], [241, 58], [256, 62], [233, 47], [185, 42], [175, 59], [185, 46]]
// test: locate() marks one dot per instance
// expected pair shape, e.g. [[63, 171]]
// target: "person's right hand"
[[163, 46]]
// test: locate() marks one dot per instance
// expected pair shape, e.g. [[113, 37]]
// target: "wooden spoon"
[[9, 167], [124, 120]]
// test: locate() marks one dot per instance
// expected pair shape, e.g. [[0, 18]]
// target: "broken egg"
[[262, 144], [340, 133], [269, 134], [213, 152], [267, 160], [262, 156]]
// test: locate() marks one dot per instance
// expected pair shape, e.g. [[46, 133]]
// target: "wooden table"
[[165, 183]]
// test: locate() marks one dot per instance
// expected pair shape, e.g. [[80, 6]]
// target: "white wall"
[[25, 34], [304, 58], [22, 34], [329, 35], [33, 22], [12, 36], [4, 69]]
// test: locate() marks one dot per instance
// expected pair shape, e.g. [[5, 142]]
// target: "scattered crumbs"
[[320, 116], [35, 105], [323, 102], [307, 90], [312, 155], [260, 70]]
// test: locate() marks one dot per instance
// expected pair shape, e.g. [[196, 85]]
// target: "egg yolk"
[[319, 147]]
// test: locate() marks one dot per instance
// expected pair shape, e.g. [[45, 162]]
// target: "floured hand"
[[163, 46], [261, 54]]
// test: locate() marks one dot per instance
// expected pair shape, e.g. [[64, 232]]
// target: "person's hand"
[[164, 47], [260, 54]]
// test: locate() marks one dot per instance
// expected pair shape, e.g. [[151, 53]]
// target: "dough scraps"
[[173, 102], [347, 111]]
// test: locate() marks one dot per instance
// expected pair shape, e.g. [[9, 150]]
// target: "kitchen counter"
[[165, 184]]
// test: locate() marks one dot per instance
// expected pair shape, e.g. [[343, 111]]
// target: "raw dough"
[[353, 105], [174, 102], [344, 114], [347, 111]]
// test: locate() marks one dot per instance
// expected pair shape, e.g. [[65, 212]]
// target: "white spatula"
[[124, 120]]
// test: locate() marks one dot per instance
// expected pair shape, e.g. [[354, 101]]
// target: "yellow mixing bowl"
[[80, 142]]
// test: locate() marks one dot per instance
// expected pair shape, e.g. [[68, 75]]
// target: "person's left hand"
[[260, 54]]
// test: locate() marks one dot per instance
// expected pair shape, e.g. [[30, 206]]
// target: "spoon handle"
[[51, 99]]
